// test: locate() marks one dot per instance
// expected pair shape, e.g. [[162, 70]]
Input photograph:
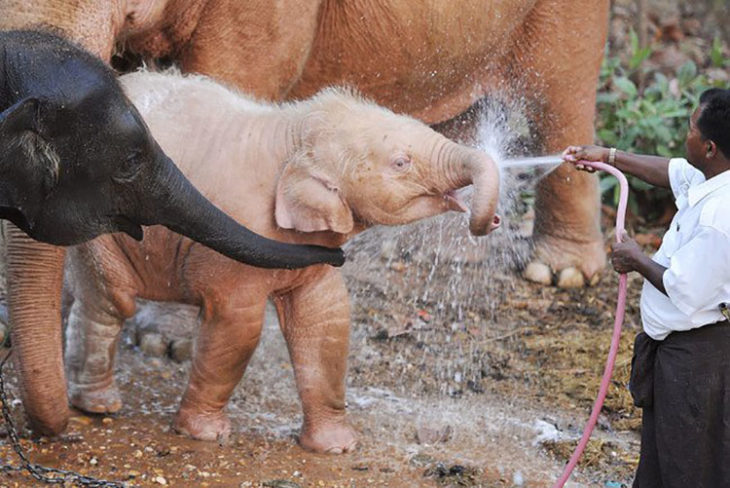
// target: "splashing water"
[[437, 266], [396, 273]]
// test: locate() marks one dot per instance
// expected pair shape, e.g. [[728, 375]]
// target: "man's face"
[[695, 144]]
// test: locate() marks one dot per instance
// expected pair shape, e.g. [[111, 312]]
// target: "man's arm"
[[652, 169], [627, 256], [652, 271]]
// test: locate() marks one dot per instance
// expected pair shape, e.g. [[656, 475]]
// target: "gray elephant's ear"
[[310, 201], [22, 116], [20, 126]]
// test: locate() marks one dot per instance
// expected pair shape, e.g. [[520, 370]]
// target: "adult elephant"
[[433, 59]]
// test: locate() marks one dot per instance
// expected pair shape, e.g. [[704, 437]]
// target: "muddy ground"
[[461, 374]]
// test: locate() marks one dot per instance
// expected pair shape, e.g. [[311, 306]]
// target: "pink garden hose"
[[620, 310]]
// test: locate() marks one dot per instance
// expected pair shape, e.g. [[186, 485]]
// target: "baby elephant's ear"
[[309, 201], [20, 126]]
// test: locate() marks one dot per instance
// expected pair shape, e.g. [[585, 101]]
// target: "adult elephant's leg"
[[228, 337], [562, 50], [34, 280], [315, 320]]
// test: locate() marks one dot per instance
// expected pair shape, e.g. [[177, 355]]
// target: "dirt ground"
[[461, 374]]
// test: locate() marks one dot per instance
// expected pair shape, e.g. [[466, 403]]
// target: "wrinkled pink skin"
[[457, 52], [319, 171]]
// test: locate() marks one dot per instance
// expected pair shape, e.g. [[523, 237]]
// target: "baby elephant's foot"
[[329, 438], [203, 426], [95, 399]]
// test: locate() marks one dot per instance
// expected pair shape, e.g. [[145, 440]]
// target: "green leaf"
[[633, 41], [607, 183], [640, 185], [639, 57], [607, 97], [664, 151], [633, 205], [661, 80], [626, 85], [687, 72], [718, 60], [678, 113], [607, 137], [663, 133]]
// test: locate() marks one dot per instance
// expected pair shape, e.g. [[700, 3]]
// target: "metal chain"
[[37, 471]]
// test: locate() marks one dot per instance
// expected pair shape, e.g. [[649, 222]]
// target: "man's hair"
[[714, 119]]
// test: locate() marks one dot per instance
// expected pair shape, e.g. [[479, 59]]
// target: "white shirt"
[[696, 252]]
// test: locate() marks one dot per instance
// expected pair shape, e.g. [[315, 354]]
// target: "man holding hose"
[[680, 373]]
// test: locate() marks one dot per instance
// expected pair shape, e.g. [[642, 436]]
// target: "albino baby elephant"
[[316, 172]]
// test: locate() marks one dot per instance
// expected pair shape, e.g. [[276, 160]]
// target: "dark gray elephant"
[[77, 161]]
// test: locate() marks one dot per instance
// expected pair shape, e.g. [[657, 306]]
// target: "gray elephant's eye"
[[129, 170]]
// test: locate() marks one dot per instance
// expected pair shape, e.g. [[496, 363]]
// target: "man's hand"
[[626, 255], [575, 154]]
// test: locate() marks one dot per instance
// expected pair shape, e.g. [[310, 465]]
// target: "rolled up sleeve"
[[698, 276]]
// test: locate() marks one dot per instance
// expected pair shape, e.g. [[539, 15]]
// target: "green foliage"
[[648, 119], [716, 55]]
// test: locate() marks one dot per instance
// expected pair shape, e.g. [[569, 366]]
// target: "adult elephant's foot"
[[165, 329], [335, 437], [566, 263], [203, 426], [95, 398]]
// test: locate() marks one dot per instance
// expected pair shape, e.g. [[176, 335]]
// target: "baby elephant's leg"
[[315, 320], [92, 336], [226, 341]]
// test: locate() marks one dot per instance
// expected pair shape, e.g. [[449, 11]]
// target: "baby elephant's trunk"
[[463, 166], [485, 177]]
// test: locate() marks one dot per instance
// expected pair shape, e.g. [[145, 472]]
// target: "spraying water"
[[444, 242], [438, 267], [551, 162]]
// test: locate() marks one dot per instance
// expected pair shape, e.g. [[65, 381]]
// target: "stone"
[[430, 435], [153, 344], [181, 350], [281, 484]]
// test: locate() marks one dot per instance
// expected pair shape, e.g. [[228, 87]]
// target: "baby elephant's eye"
[[401, 163]]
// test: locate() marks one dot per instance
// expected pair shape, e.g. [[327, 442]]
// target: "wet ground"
[[461, 374]]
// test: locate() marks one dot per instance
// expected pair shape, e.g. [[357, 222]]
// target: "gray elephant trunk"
[[182, 209]]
